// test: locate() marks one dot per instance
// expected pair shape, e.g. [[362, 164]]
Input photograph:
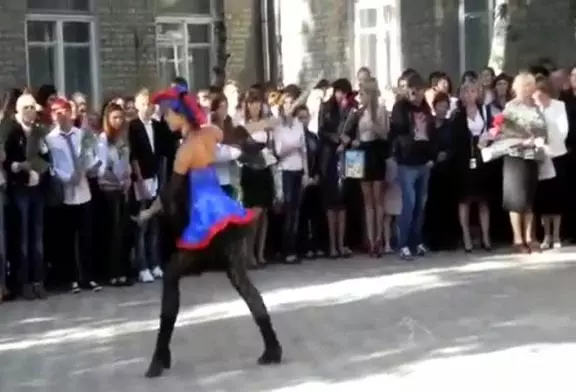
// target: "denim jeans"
[[30, 206], [413, 181], [3, 259], [292, 190], [147, 250]]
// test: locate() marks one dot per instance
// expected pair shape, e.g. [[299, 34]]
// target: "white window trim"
[[184, 21], [462, 16], [59, 43], [394, 29]]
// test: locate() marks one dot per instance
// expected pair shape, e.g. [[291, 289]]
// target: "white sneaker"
[[146, 276], [157, 273], [557, 245]]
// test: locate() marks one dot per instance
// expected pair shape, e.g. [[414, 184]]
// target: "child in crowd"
[[392, 202]]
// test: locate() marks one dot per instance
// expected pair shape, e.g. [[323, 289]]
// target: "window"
[[61, 51], [185, 49], [59, 5], [475, 33], [377, 39], [201, 7]]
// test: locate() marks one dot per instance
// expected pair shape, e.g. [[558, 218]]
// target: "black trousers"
[[115, 234], [312, 225], [292, 188], [77, 257]]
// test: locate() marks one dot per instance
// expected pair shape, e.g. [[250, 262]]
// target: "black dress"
[[473, 178], [330, 119], [256, 178], [440, 223], [552, 195]]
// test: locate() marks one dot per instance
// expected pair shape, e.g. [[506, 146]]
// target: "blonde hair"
[[370, 87], [144, 92], [520, 81], [469, 85], [25, 100]]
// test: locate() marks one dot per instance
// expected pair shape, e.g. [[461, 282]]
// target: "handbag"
[[354, 161]]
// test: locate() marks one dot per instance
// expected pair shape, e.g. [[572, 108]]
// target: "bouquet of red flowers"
[[497, 124]]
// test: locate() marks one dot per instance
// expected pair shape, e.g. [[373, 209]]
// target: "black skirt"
[[552, 194], [331, 183], [519, 183], [374, 160], [257, 187]]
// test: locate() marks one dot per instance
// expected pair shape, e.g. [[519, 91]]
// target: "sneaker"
[[157, 273], [421, 250], [557, 245], [95, 287], [75, 288], [146, 276], [405, 254]]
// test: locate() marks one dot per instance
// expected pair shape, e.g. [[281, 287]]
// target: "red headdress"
[[179, 100]]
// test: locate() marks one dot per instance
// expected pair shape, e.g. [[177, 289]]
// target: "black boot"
[[272, 350], [162, 358]]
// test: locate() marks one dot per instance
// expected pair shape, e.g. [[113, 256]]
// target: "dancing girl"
[[206, 224]]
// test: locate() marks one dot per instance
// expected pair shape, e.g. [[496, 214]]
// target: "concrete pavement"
[[450, 321]]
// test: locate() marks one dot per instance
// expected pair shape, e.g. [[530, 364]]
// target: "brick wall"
[[127, 45], [241, 23], [12, 44], [430, 34]]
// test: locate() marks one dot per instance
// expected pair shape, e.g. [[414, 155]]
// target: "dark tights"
[[228, 246]]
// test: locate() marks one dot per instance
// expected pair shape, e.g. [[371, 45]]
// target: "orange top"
[[199, 149]]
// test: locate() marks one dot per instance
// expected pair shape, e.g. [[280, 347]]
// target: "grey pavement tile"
[[449, 321]]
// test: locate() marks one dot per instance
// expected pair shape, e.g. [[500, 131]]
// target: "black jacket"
[[312, 153], [20, 147], [405, 149], [148, 156]]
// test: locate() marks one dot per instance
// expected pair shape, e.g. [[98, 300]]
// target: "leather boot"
[[162, 358], [272, 349]]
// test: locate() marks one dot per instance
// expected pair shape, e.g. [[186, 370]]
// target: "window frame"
[[184, 21], [58, 11], [60, 77], [462, 17], [388, 35]]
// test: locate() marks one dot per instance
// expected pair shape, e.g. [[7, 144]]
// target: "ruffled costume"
[[209, 209]]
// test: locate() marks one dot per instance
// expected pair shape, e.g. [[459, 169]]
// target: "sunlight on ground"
[[391, 285], [524, 368]]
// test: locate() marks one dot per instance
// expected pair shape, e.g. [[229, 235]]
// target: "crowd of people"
[[336, 168]]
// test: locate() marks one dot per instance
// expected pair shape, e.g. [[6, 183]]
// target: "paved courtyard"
[[451, 322]]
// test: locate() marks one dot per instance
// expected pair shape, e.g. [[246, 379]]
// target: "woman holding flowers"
[[520, 135]]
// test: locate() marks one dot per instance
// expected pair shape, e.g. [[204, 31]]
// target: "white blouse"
[[557, 127], [290, 145], [476, 125]]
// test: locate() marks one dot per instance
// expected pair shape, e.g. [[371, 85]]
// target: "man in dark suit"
[[26, 166], [150, 149]]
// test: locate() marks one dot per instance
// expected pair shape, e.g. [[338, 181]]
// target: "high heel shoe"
[[161, 361], [345, 252], [377, 250]]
